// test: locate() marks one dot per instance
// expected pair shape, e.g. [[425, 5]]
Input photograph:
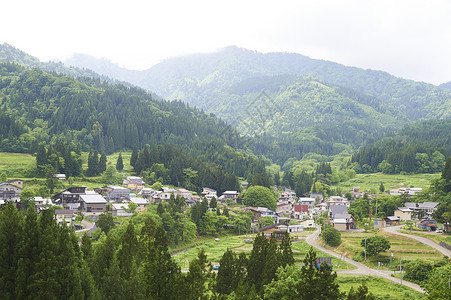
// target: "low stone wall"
[[445, 245]]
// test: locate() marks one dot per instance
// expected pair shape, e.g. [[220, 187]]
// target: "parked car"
[[439, 230], [216, 267]]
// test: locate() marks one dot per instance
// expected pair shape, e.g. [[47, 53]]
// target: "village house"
[[114, 193], [287, 196], [343, 222], [301, 211], [166, 193], [232, 195], [404, 213], [391, 221], [429, 225], [41, 203], [404, 191], [70, 197], [427, 207], [141, 202], [10, 190], [337, 209], [310, 202], [209, 193], [134, 183], [278, 229], [284, 209], [92, 204], [146, 193], [121, 210], [65, 216], [184, 193]]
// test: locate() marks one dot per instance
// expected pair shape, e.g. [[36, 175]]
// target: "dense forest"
[[418, 148], [133, 261], [88, 114]]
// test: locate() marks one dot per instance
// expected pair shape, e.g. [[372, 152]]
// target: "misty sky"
[[410, 39]]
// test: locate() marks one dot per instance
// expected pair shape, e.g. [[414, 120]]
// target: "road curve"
[[361, 268], [426, 241]]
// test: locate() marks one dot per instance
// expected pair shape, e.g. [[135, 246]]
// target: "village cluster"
[[116, 199]]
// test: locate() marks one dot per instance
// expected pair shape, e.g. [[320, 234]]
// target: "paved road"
[[88, 226], [361, 269], [394, 230]]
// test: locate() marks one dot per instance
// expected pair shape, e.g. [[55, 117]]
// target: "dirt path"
[[361, 269], [426, 241]]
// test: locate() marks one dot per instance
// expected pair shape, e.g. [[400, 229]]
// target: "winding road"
[[426, 241], [361, 269]]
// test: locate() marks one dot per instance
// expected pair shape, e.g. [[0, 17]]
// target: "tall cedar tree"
[[159, 269], [10, 237], [317, 283], [119, 163], [102, 163], [446, 176], [200, 273], [286, 253], [257, 261], [134, 156]]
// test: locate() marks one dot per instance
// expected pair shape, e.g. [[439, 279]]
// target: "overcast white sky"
[[408, 38]]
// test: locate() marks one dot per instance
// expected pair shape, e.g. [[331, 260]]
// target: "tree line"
[[43, 260]]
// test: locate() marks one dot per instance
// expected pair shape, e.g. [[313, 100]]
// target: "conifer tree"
[[128, 251], [134, 156], [257, 261], [102, 163], [271, 262], [28, 254], [10, 236], [119, 163], [225, 280], [199, 275], [286, 253]]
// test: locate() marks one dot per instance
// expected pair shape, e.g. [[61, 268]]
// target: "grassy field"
[[215, 250], [401, 247], [372, 181], [16, 165], [381, 288]]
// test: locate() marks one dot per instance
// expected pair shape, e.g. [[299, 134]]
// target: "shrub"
[[331, 236]]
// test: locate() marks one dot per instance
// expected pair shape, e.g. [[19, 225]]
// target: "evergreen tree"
[[160, 272], [286, 253], [28, 254], [199, 276], [257, 261], [381, 188], [227, 273], [119, 163], [128, 251], [317, 283], [102, 163], [10, 236], [272, 261], [41, 158], [134, 156]]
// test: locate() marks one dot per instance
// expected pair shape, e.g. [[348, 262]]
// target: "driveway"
[[361, 268], [426, 241]]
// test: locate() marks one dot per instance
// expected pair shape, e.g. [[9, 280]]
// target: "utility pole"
[[365, 248], [400, 268]]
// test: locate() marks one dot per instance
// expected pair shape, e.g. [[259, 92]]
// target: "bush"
[[331, 236], [417, 270], [375, 244]]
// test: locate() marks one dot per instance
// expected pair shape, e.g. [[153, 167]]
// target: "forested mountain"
[[9, 53], [204, 79], [421, 147], [90, 114], [446, 85]]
